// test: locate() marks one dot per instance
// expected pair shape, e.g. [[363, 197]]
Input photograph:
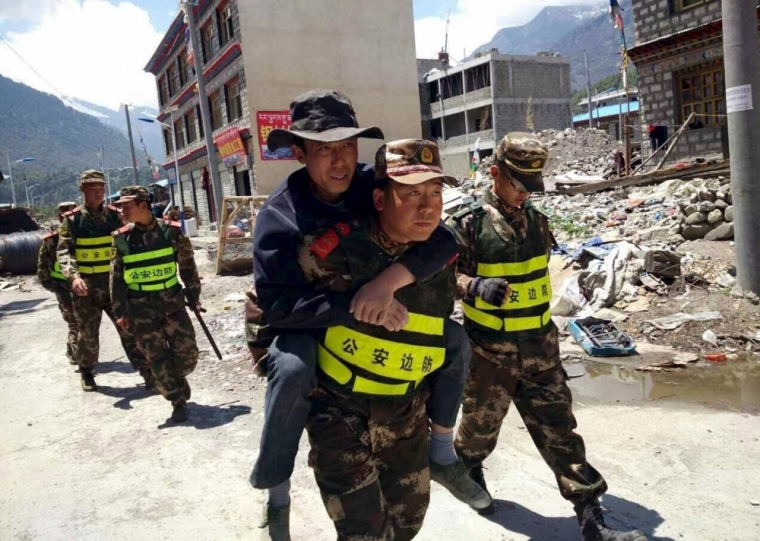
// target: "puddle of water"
[[733, 386]]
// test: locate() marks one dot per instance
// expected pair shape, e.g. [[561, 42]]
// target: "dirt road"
[[107, 465]]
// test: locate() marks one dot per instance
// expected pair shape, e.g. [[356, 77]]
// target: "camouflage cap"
[[525, 156], [92, 176], [66, 204], [410, 161], [132, 193]]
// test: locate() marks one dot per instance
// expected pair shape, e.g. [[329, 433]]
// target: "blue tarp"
[[607, 111]]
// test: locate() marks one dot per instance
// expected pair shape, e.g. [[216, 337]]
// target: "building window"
[[190, 132], [224, 20], [201, 131], [208, 40], [163, 90], [174, 82], [234, 102], [217, 114], [703, 94], [687, 4], [179, 132], [168, 142], [184, 69]]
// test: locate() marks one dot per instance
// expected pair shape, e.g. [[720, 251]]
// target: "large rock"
[[706, 195], [675, 240], [696, 218], [720, 204], [697, 231], [694, 198], [691, 209], [729, 214], [715, 216], [706, 206], [730, 198], [724, 231]]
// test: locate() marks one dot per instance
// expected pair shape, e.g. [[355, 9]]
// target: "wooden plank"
[[721, 168], [222, 238]]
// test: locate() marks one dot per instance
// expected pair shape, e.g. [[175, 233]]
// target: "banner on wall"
[[231, 147], [266, 122]]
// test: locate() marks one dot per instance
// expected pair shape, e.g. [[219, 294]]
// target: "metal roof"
[[608, 111]]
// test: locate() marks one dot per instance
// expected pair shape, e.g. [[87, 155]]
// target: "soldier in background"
[[84, 254], [504, 283], [51, 278], [147, 296]]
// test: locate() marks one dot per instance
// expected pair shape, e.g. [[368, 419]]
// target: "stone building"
[[679, 56], [489, 96], [218, 39]]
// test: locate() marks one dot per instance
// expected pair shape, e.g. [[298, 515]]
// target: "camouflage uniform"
[[147, 293], [370, 453], [524, 368], [51, 278], [93, 223]]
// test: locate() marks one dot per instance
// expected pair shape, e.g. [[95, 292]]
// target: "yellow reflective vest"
[[525, 265], [149, 269], [371, 361], [92, 241]]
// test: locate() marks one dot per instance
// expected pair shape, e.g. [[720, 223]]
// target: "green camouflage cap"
[[92, 176], [525, 156], [410, 161], [133, 193]]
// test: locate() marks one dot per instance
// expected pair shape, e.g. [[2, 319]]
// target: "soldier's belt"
[[498, 270], [93, 269], [507, 324], [525, 295]]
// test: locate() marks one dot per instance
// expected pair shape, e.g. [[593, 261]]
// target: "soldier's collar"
[[507, 211], [384, 241], [152, 224]]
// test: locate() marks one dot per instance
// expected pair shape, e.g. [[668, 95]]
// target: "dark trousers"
[[292, 377]]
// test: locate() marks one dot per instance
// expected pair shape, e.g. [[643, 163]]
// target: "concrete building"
[[679, 56], [271, 52], [489, 96], [221, 54]]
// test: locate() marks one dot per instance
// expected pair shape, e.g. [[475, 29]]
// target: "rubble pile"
[[707, 211], [584, 152]]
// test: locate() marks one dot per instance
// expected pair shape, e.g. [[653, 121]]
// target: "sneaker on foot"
[[275, 523], [454, 478]]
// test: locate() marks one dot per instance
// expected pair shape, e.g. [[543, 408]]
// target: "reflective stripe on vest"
[[57, 272], [386, 368], [150, 277], [507, 324], [93, 255]]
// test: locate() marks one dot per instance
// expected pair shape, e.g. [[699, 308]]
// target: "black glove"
[[491, 290]]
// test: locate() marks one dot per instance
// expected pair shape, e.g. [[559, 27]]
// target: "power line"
[[61, 94]]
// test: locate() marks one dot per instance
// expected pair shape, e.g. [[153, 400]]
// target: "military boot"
[[454, 478], [275, 523], [593, 528], [476, 474], [179, 413], [150, 381], [88, 379]]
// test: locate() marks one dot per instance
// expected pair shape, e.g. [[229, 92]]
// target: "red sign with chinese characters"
[[231, 147], [268, 121]]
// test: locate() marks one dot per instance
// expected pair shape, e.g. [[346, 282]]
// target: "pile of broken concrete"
[[707, 211]]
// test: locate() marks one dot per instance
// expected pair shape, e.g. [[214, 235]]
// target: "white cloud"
[[93, 50], [27, 10], [474, 23]]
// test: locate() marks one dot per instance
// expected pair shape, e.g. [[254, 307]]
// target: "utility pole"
[[105, 174], [131, 144], [740, 45], [205, 117], [588, 91], [10, 174]]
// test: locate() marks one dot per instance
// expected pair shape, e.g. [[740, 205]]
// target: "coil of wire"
[[19, 251]]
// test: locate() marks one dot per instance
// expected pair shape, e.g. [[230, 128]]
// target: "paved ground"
[[107, 466]]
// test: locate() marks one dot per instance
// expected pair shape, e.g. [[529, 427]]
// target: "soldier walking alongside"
[[147, 296], [84, 254], [51, 278], [504, 249]]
